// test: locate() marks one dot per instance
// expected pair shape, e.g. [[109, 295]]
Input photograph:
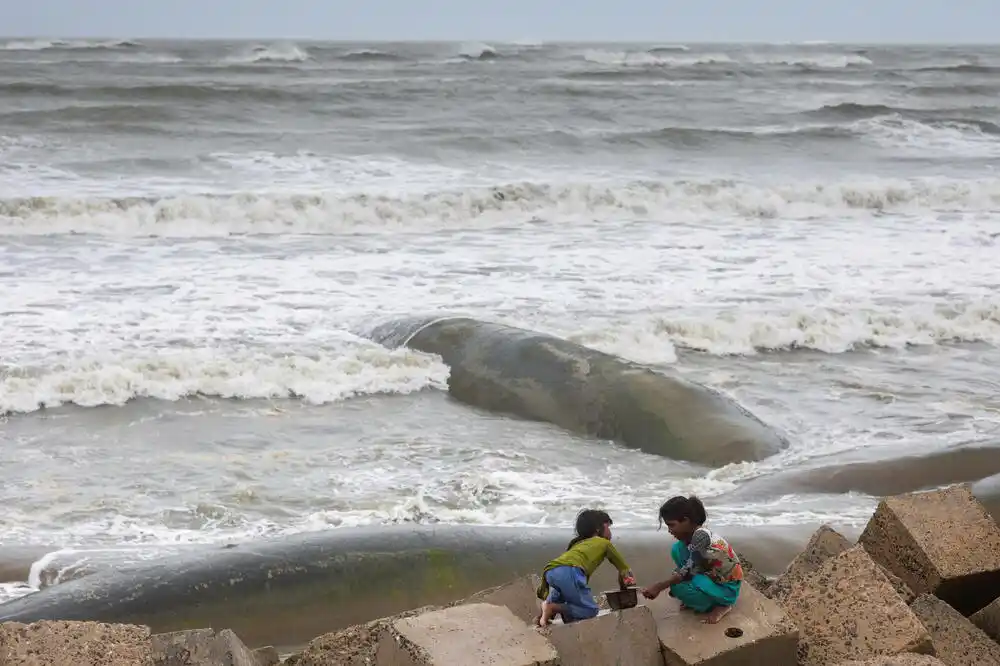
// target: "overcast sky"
[[644, 20]]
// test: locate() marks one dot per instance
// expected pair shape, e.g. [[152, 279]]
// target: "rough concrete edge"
[[922, 644], [794, 572], [548, 631], [988, 619], [401, 640], [933, 603], [377, 626], [882, 518]]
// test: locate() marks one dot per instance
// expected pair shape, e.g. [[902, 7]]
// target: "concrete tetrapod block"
[[201, 647], [847, 609], [518, 595], [908, 659], [825, 543], [957, 642], [267, 656], [941, 542], [622, 638], [988, 619], [465, 635], [351, 646], [768, 636], [48, 643]]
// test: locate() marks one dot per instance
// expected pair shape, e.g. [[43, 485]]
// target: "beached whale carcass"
[[545, 378], [286, 590]]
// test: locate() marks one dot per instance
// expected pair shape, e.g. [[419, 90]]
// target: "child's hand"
[[650, 592]]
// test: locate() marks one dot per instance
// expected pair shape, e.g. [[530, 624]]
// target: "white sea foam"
[[118, 376], [828, 329], [485, 206], [477, 51], [47, 44], [318, 378], [279, 52], [657, 58]]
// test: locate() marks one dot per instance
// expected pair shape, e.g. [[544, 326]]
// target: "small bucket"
[[622, 599]]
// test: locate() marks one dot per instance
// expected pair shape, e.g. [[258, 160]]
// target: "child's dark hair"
[[588, 523], [680, 508]]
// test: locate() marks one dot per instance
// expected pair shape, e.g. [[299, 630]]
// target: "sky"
[[553, 20]]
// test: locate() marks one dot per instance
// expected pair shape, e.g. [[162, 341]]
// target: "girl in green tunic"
[[565, 587]]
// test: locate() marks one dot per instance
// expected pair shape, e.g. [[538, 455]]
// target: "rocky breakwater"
[[920, 587]]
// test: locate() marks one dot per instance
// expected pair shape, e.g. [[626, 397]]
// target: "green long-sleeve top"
[[587, 555]]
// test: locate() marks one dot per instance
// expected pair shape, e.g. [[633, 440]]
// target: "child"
[[708, 573], [565, 580]]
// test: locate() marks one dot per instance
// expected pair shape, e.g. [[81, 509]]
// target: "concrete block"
[[518, 595], [825, 543], [941, 542], [908, 659], [352, 646], [957, 642], [201, 647], [751, 575], [768, 636], [48, 643], [465, 635], [267, 656], [847, 609], [622, 638], [988, 619]]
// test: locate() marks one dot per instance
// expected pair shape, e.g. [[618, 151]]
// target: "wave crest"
[[271, 53], [330, 213], [317, 378], [64, 44], [663, 58]]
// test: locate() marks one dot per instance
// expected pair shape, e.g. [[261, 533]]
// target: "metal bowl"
[[622, 599]]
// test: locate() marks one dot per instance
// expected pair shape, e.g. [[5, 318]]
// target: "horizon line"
[[497, 40]]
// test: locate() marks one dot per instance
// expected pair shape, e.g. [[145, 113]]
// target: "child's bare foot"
[[684, 608], [546, 616], [717, 614]]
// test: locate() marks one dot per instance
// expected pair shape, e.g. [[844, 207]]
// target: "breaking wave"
[[331, 213]]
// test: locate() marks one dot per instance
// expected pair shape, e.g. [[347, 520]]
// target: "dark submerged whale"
[[287, 590], [541, 377]]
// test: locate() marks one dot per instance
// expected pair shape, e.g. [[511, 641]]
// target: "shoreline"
[[903, 474], [288, 591], [322, 592]]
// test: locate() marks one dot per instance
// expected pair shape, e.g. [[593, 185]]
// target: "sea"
[[196, 238]]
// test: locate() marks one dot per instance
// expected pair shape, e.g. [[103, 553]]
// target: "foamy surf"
[[280, 52], [327, 377], [66, 44], [502, 204], [171, 374], [682, 57], [829, 329]]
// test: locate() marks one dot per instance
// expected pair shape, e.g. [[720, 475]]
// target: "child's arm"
[[654, 590], [701, 541], [624, 573]]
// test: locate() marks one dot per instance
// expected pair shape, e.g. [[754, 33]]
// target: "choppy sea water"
[[195, 237]]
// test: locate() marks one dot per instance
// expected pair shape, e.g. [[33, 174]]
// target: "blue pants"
[[568, 588], [700, 593]]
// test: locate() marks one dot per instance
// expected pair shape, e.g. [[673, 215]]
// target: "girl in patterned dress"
[[708, 574]]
